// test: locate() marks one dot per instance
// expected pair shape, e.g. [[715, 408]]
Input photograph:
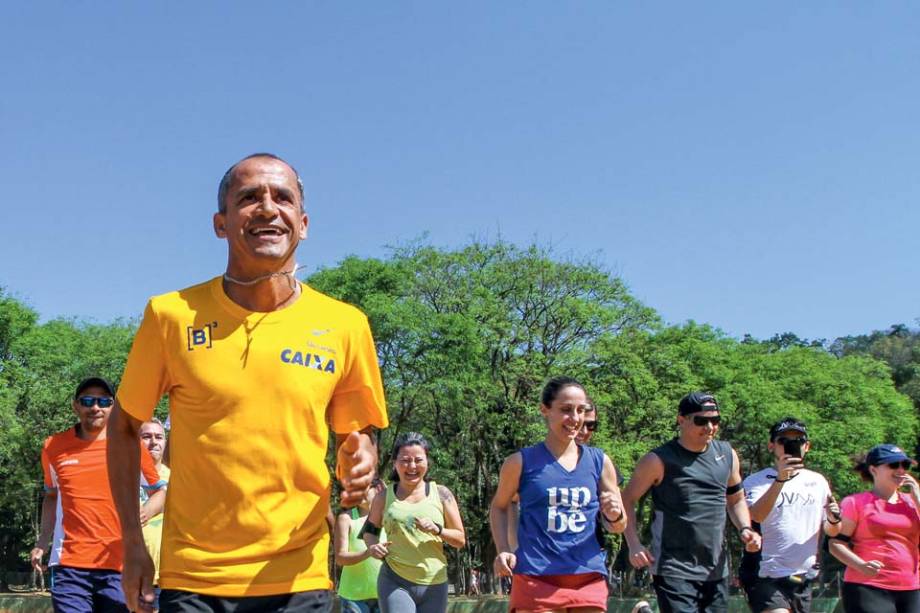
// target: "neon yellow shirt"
[[359, 581], [415, 555], [153, 531], [249, 399]]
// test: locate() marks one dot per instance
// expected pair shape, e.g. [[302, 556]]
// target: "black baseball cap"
[[695, 402], [787, 424], [94, 382]]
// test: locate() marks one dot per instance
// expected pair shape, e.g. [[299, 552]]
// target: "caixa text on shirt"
[[308, 360]]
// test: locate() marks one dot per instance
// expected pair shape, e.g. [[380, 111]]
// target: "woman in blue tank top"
[[565, 489]]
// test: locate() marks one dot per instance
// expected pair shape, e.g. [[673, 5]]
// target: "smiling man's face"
[[93, 418], [263, 220]]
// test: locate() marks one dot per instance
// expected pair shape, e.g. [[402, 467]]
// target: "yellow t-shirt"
[[249, 399], [153, 531]]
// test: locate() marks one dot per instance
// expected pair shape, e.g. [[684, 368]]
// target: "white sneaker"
[[642, 607]]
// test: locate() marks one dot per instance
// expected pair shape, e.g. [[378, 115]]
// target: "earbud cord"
[[292, 280]]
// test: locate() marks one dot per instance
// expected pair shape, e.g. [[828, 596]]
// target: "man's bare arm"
[[761, 507], [356, 461], [45, 533], [123, 459], [370, 431], [786, 468], [124, 466], [649, 472], [738, 511]]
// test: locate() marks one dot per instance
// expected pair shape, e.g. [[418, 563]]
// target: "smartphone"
[[836, 516], [793, 447]]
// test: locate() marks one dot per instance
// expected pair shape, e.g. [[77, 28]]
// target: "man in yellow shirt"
[[257, 367]]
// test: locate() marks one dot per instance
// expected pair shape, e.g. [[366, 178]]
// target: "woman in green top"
[[418, 516], [358, 583]]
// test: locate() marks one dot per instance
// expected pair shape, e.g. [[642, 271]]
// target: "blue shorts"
[[83, 590]]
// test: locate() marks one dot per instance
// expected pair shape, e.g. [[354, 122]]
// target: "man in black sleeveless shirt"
[[694, 479]]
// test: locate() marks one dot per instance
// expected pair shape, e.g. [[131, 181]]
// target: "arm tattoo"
[[445, 494]]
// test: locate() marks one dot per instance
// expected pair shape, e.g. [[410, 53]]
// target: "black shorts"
[[315, 601], [859, 598], [767, 593], [677, 595]]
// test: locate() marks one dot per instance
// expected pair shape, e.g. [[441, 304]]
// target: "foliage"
[[40, 364], [899, 347], [466, 339], [848, 403]]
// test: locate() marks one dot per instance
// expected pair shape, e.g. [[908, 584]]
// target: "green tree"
[[466, 339], [40, 364], [899, 347]]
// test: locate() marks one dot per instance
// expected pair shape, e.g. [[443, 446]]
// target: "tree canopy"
[[466, 339]]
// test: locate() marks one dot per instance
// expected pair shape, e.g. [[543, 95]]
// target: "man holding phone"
[[790, 503]]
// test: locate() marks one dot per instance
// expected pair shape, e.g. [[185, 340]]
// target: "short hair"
[[154, 420], [224, 186]]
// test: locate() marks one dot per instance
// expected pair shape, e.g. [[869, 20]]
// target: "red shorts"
[[551, 592]]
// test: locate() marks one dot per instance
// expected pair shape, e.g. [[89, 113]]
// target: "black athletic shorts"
[[688, 596], [315, 601], [859, 598], [766, 594]]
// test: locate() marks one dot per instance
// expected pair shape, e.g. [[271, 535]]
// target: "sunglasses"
[[104, 402], [782, 440], [701, 420], [905, 464], [590, 426]]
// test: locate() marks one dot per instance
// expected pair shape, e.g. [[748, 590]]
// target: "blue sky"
[[751, 165]]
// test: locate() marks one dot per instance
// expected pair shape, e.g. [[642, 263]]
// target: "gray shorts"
[[398, 595]]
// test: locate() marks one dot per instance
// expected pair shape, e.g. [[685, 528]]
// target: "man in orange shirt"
[[88, 578]]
